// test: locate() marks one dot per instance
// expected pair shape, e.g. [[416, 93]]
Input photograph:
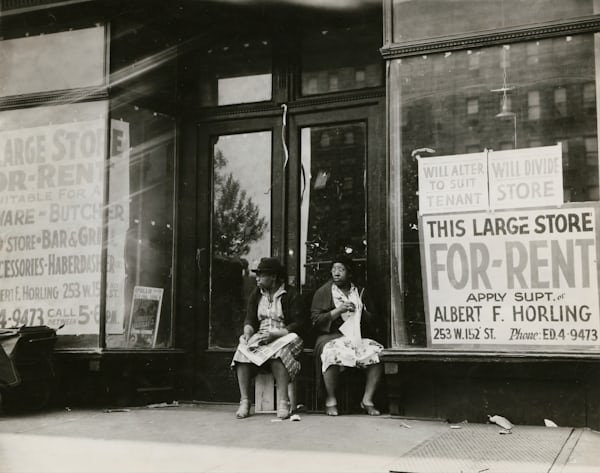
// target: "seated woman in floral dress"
[[271, 336], [341, 314]]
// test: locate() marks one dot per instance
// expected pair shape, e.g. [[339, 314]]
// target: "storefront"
[[493, 152], [152, 153]]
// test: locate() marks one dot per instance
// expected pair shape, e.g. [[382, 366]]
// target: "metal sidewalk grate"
[[482, 449]]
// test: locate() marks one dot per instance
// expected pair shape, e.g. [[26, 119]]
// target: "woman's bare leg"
[[244, 376], [330, 378], [373, 375], [282, 379]]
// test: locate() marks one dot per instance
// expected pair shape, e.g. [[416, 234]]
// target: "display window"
[[141, 192], [87, 185], [494, 217], [140, 229], [52, 157]]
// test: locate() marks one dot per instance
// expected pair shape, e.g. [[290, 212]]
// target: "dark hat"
[[345, 260], [269, 265]]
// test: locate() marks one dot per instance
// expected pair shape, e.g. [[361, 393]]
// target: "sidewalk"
[[207, 438]]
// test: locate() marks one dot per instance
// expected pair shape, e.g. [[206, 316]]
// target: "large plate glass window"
[[141, 189], [139, 274], [494, 172]]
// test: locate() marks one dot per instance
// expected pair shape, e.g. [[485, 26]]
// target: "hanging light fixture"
[[505, 110]]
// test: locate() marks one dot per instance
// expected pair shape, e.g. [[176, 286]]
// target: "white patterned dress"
[[351, 349]]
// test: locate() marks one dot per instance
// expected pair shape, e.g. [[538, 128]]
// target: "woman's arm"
[[323, 312], [251, 319], [248, 332]]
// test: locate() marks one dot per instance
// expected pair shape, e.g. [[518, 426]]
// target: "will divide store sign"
[[519, 276]]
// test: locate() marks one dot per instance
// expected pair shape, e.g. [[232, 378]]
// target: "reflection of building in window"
[[589, 97], [533, 105], [535, 143], [565, 151], [592, 186], [359, 77], [336, 209], [591, 159], [473, 60], [533, 53], [472, 106], [353, 66], [560, 102], [312, 86], [591, 150], [349, 138], [505, 57], [333, 82]]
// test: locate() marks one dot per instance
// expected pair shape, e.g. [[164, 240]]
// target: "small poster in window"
[[144, 318]]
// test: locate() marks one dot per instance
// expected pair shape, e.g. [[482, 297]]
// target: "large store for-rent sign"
[[504, 275]]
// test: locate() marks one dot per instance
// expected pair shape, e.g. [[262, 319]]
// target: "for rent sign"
[[51, 228], [523, 277]]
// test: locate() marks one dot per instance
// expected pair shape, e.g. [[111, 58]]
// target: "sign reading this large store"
[[505, 263]]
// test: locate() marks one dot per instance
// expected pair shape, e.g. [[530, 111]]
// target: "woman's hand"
[[262, 338], [277, 333], [346, 306], [248, 332]]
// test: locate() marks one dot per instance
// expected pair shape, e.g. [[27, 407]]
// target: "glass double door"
[[298, 193]]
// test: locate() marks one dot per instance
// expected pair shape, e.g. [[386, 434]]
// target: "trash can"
[[27, 367]]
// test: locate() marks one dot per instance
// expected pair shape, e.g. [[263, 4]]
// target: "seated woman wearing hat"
[[273, 321], [342, 315]]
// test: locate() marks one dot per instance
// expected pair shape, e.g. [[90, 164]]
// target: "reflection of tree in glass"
[[236, 218]]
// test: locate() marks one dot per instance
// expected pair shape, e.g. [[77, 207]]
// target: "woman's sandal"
[[331, 410], [244, 409], [370, 409], [283, 409]]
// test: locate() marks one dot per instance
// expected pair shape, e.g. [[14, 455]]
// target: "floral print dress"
[[351, 349]]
